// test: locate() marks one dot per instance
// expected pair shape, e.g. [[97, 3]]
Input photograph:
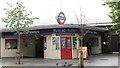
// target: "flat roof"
[[82, 26]]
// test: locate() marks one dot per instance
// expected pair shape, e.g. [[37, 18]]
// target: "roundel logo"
[[61, 18]]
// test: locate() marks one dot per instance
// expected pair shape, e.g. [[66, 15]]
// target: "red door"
[[66, 48]]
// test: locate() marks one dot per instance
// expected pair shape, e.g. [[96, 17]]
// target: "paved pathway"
[[0, 63], [104, 60], [119, 60]]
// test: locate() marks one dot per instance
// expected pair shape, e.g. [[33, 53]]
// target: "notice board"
[[84, 50]]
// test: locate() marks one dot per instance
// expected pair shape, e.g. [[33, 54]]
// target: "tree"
[[82, 33], [18, 19], [114, 14]]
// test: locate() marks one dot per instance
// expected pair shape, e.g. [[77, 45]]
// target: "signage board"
[[61, 18], [84, 50]]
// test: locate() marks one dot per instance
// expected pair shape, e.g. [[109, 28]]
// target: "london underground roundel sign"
[[61, 18]]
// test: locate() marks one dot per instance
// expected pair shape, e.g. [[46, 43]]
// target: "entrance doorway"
[[66, 47], [114, 43], [39, 43]]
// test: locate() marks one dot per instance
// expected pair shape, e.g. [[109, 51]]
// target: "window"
[[74, 43], [55, 43]]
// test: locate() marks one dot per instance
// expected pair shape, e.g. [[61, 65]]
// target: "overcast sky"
[[46, 10]]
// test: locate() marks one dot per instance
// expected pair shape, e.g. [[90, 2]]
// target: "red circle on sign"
[[61, 18]]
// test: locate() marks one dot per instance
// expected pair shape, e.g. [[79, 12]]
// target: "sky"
[[47, 10]]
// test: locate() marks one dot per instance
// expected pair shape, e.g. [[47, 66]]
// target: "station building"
[[55, 41]]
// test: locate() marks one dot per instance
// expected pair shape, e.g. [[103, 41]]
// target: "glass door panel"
[[68, 43], [63, 44]]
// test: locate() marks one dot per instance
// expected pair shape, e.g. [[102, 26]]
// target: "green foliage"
[[79, 37], [17, 18], [115, 12]]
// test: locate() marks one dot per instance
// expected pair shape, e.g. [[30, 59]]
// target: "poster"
[[11, 43], [84, 50]]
